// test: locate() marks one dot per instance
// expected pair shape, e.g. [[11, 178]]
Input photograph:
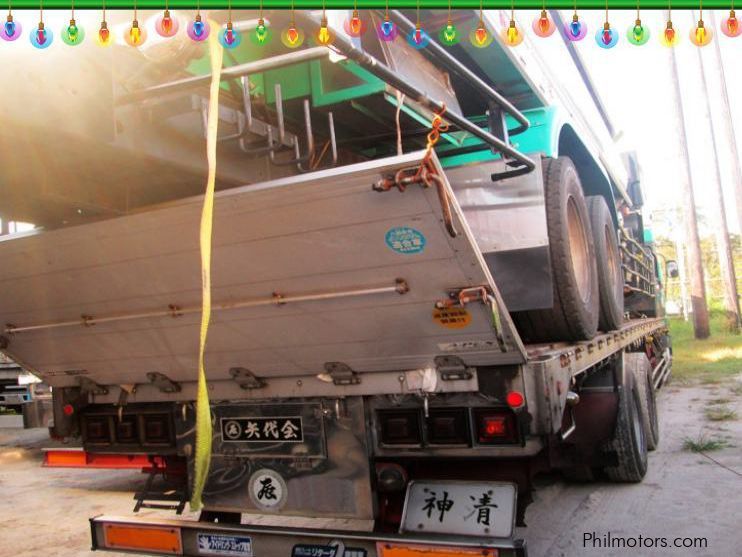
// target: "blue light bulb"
[[9, 28]]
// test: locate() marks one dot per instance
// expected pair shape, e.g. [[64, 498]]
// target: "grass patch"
[[720, 400], [711, 361], [720, 414], [703, 444]]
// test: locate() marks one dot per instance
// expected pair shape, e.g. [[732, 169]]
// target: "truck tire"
[[629, 441], [638, 364], [574, 314], [608, 257]]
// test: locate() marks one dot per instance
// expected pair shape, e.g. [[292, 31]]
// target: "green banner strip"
[[378, 4]]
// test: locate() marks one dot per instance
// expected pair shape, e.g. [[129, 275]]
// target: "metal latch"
[[87, 385], [452, 368], [246, 379], [341, 374], [163, 382]]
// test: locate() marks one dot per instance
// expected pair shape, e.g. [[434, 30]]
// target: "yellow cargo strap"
[[203, 410]]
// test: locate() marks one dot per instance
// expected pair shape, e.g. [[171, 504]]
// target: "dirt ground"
[[685, 494]]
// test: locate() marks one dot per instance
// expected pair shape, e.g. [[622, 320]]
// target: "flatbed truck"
[[402, 337]]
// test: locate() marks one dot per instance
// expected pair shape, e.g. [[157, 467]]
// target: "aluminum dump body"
[[307, 272]]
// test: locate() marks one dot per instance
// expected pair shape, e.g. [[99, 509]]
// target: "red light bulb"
[[355, 23], [481, 34], [292, 34]]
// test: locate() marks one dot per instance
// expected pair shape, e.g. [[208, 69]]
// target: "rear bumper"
[[265, 541]]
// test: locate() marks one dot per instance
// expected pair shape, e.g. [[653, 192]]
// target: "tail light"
[[515, 399], [400, 427], [448, 427], [495, 427]]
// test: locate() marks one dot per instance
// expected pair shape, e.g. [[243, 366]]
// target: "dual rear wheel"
[[586, 269]]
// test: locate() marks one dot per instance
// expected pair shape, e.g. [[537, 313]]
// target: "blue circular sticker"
[[403, 239]]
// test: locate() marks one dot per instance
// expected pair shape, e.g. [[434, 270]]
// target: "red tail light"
[[515, 399], [495, 427]]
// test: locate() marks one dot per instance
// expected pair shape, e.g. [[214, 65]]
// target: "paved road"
[[685, 494]]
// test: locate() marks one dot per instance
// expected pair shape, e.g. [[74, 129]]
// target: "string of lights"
[[356, 25]]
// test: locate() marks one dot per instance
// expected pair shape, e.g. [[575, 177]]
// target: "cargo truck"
[[402, 336]]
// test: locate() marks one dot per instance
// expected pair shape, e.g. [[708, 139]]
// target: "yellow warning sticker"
[[452, 318]]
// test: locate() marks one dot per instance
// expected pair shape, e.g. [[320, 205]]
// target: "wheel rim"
[[578, 249]]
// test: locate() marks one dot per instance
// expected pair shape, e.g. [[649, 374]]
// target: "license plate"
[[222, 545], [468, 508]]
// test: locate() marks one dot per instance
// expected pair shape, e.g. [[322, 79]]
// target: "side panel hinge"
[[452, 368], [87, 385], [341, 374], [246, 379], [163, 382]]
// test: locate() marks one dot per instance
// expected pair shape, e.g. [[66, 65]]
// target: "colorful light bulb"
[[575, 30], [543, 26], [104, 37], [512, 34], [480, 37], [669, 36], [198, 30], [73, 34], [606, 37], [700, 35], [418, 38], [11, 30], [135, 35], [41, 37], [229, 38], [730, 26], [292, 37], [261, 32], [449, 35], [324, 36], [637, 34], [166, 25], [387, 30], [354, 25]]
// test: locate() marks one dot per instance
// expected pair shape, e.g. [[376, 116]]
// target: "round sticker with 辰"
[[267, 489], [406, 240], [233, 430], [452, 318]]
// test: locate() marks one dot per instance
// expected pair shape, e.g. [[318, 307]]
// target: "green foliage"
[[712, 360], [666, 248], [703, 444]]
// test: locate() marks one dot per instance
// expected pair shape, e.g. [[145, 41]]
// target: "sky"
[[635, 85]]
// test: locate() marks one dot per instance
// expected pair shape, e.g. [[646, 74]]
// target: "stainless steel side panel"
[[325, 232], [508, 221]]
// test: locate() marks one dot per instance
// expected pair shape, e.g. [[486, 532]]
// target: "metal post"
[[697, 287], [726, 262]]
